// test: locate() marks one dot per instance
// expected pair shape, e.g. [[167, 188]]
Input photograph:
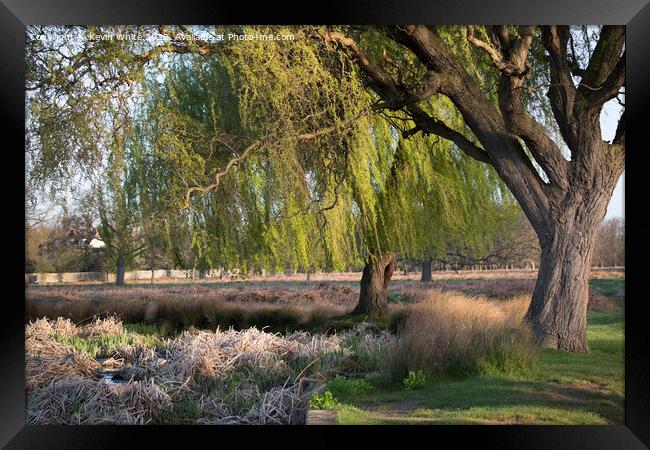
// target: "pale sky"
[[608, 122]]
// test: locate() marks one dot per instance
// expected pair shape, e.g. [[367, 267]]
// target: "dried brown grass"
[[281, 305], [497, 289], [450, 334], [327, 277], [99, 327], [202, 307], [82, 401], [230, 376], [47, 359]]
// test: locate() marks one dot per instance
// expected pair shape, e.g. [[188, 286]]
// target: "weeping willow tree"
[[259, 140], [421, 198], [118, 206], [282, 166], [272, 151]]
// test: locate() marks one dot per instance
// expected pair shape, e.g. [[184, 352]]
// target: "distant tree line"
[[609, 250], [56, 246]]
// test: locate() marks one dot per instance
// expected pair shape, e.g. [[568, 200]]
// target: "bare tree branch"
[[382, 81], [217, 177], [609, 89], [395, 98], [494, 54], [605, 58], [432, 125], [562, 92], [619, 137], [514, 68]]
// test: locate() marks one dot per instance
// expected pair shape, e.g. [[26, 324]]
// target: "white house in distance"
[[96, 242]]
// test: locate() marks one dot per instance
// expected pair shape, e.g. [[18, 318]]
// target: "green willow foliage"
[[329, 183]]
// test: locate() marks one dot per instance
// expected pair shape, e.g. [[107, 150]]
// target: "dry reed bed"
[[242, 306], [499, 289], [47, 359], [448, 334], [227, 376], [246, 292], [195, 305], [84, 401]]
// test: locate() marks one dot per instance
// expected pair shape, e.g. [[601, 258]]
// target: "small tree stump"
[[320, 417]]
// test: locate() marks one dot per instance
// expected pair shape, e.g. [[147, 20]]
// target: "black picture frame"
[[16, 14]]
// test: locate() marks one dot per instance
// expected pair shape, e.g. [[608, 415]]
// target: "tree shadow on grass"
[[496, 393]]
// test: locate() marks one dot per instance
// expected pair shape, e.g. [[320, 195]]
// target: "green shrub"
[[326, 401], [344, 387], [415, 380]]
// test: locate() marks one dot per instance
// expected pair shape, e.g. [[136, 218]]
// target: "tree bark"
[[121, 269], [426, 271], [558, 311], [373, 298]]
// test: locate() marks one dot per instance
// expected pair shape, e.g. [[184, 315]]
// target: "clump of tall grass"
[[46, 358], [450, 335]]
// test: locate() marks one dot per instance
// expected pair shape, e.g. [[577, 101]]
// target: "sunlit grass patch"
[[561, 388]]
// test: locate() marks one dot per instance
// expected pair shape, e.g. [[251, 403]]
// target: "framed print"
[[372, 215]]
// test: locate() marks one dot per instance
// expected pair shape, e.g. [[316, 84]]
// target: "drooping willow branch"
[[246, 152], [217, 176]]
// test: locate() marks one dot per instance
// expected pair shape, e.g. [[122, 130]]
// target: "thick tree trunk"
[[121, 269], [373, 298], [426, 271], [558, 311]]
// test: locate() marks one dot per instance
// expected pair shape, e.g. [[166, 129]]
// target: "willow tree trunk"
[[121, 269], [426, 271], [373, 298], [558, 311]]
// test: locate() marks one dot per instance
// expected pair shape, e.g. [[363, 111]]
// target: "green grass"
[[102, 346], [608, 286], [348, 321], [351, 415], [562, 388]]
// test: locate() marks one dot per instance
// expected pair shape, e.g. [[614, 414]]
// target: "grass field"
[[162, 373], [562, 388]]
